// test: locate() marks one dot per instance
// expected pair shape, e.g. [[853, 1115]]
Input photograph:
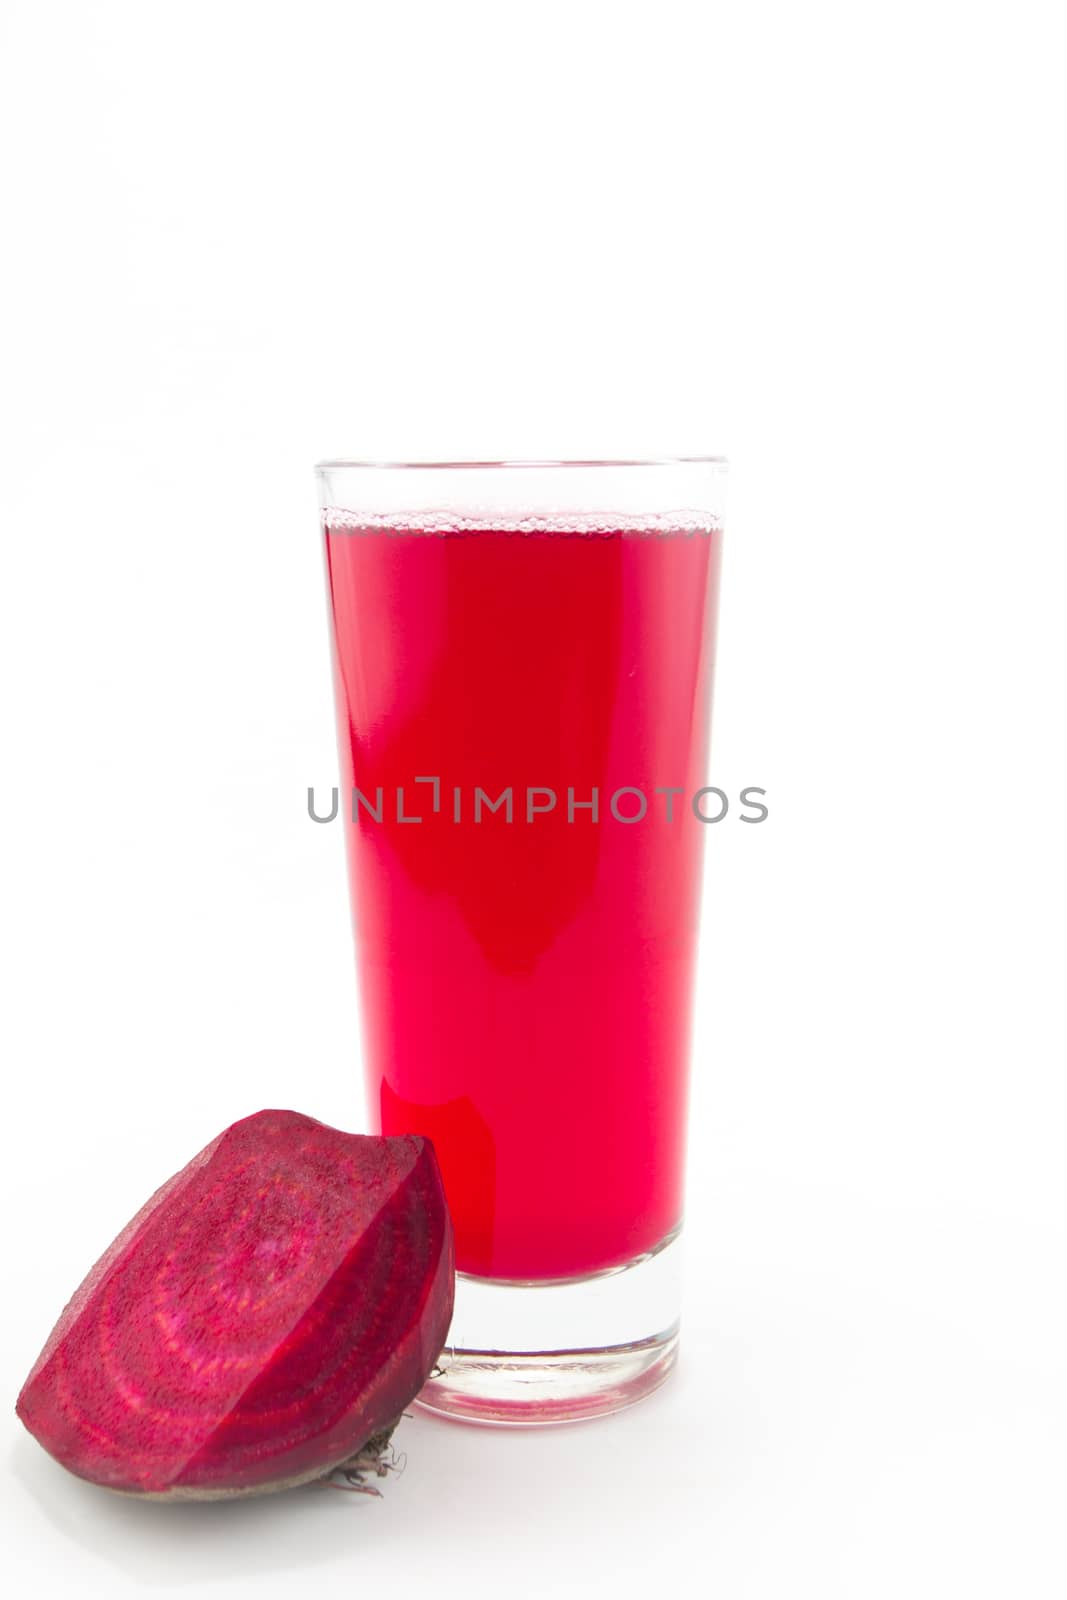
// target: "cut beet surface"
[[271, 1309]]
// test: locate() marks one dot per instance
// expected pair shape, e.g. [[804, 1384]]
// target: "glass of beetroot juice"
[[523, 660]]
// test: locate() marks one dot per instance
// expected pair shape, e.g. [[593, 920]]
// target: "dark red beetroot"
[[271, 1309]]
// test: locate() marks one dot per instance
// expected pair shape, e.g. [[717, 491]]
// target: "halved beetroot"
[[272, 1308]]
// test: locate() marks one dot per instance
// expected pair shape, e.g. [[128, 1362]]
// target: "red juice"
[[526, 971]]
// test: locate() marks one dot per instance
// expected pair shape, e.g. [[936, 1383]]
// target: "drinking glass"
[[523, 658]]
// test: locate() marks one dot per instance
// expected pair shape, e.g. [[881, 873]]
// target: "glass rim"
[[344, 464]]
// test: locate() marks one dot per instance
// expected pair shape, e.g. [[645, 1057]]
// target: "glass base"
[[530, 1353]]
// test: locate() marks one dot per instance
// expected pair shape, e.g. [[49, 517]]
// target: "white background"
[[825, 239]]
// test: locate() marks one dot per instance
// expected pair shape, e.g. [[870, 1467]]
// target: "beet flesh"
[[272, 1308]]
